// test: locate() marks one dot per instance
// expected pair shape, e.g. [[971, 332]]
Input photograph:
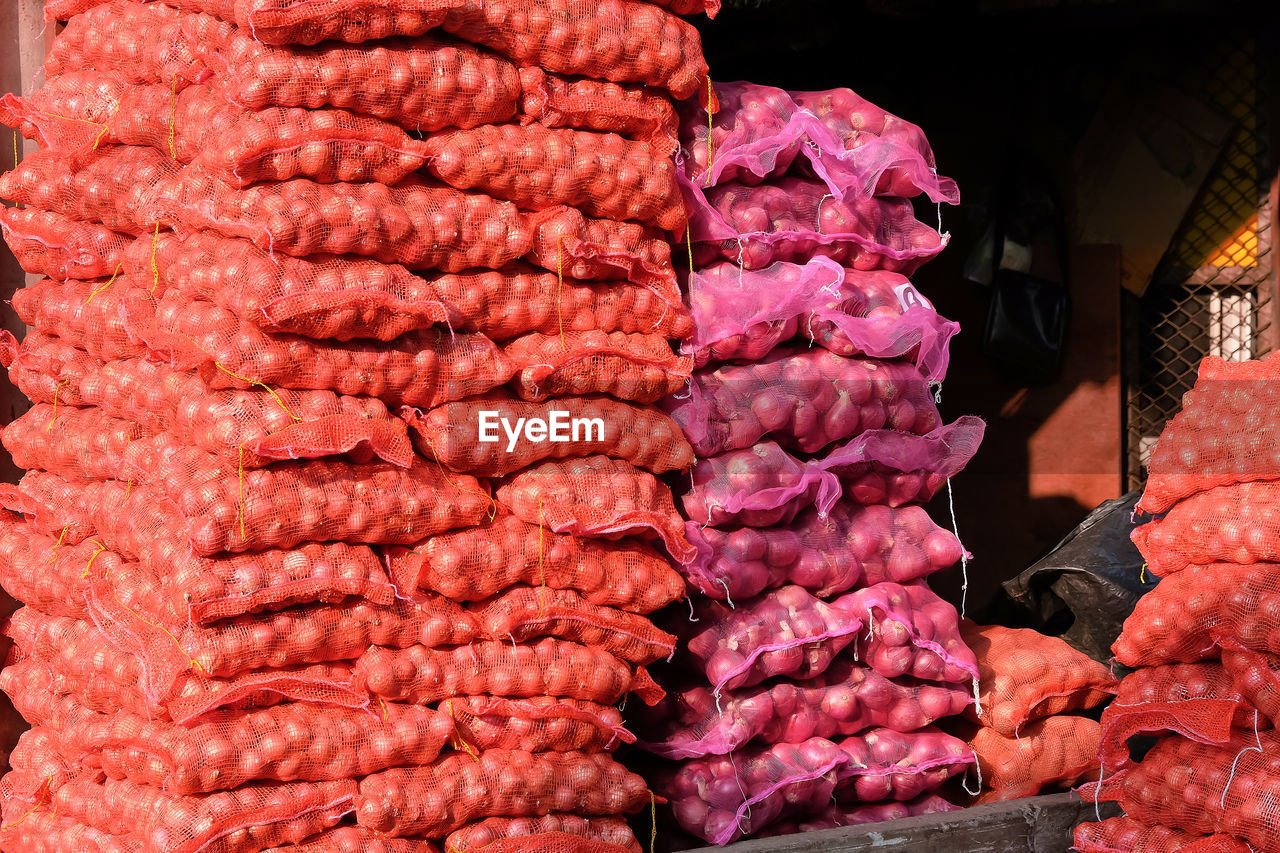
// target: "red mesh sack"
[[636, 112], [88, 108], [743, 314], [852, 546], [910, 631], [851, 144], [538, 724], [846, 699], [1257, 678], [52, 245], [91, 314], [473, 564], [620, 40], [795, 219], [601, 249], [139, 43], [79, 444], [323, 297], [307, 22], [526, 613], [286, 743], [482, 835], [539, 167], [251, 818], [804, 399], [419, 224], [546, 667], [476, 435], [1180, 619], [639, 368], [422, 368], [1196, 700], [1024, 676], [47, 369], [724, 798], [1052, 753], [459, 788], [1126, 835], [109, 186], [1223, 435], [1202, 789], [1227, 524], [53, 505], [42, 572], [852, 814], [62, 657], [596, 497], [253, 427]]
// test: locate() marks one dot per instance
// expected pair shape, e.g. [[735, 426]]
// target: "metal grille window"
[[1213, 293]]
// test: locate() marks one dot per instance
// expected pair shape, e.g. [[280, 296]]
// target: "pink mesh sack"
[[94, 315], [528, 613], [908, 631], [52, 245], [1049, 754], [482, 835], [422, 225], [795, 219], [423, 368], [1126, 835], [1024, 676], [538, 724], [596, 497], [635, 112], [1196, 700], [624, 41], [481, 561], [479, 435], [286, 743], [763, 485], [538, 167], [852, 145], [743, 314], [1227, 524], [804, 399], [109, 186], [723, 798], [857, 814], [87, 108], [1223, 435], [846, 699], [1180, 621], [546, 667], [638, 368], [852, 546], [457, 789]]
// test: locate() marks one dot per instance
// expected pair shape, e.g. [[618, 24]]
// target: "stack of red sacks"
[[1024, 729], [817, 659], [1205, 642], [342, 520]]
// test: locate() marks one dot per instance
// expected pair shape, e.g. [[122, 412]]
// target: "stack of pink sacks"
[[816, 659]]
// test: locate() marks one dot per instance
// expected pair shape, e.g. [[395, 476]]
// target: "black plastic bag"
[[1088, 584]]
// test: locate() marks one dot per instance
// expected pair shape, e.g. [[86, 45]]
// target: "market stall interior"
[[586, 426]]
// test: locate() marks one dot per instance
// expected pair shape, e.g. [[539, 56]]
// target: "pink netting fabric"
[[743, 314], [854, 146]]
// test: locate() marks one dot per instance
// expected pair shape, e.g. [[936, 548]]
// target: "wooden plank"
[[1033, 825]]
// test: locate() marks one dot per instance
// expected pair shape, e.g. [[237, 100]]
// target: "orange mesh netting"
[[1024, 675], [571, 832], [459, 788], [537, 724], [473, 564], [596, 497], [1126, 835], [50, 244], [639, 368], [94, 315], [1054, 752]]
